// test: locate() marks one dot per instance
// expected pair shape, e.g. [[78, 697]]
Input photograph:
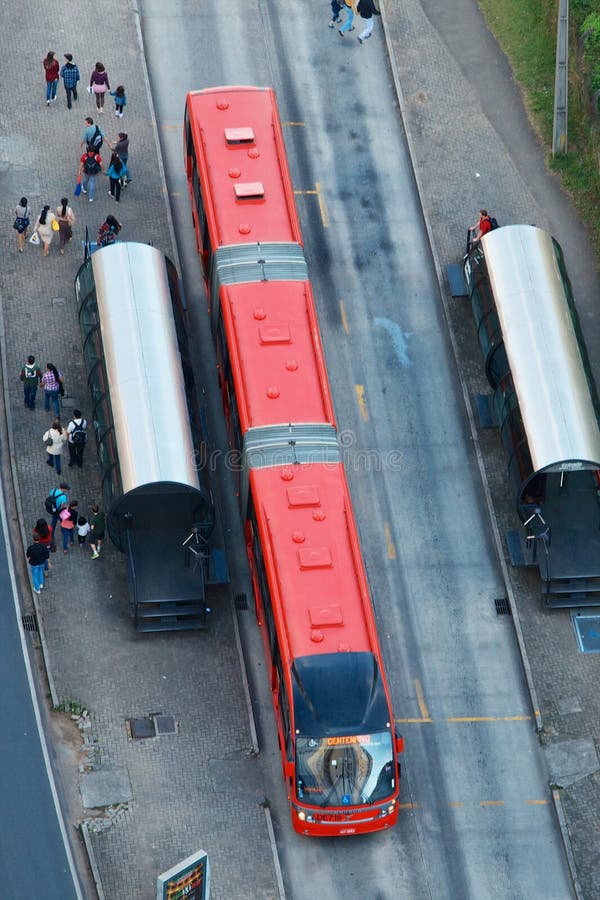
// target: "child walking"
[[83, 529], [120, 100]]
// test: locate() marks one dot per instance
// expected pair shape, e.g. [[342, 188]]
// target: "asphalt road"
[[35, 859], [477, 819]]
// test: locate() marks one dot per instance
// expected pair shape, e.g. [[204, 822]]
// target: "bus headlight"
[[301, 815]]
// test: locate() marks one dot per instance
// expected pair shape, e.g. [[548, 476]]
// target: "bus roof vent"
[[321, 616], [239, 135], [251, 190], [315, 558]]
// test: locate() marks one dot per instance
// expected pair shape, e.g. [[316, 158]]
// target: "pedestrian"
[[66, 219], [51, 70], [52, 382], [90, 166], [121, 148], [83, 529], [483, 226], [108, 231], [45, 227], [30, 376], [55, 439], [93, 136], [116, 171], [350, 6], [21, 223], [70, 76], [37, 554], [42, 532], [336, 8], [56, 501], [97, 527], [76, 433], [68, 523], [120, 100], [366, 10], [99, 85]]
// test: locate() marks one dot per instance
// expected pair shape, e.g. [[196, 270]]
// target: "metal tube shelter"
[[143, 409], [545, 399]]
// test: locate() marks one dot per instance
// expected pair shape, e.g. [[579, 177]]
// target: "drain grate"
[[502, 606], [151, 726], [165, 725], [29, 622], [241, 602]]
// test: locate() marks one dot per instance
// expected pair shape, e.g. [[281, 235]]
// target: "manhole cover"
[[502, 606], [241, 602], [29, 622], [587, 631], [141, 728], [165, 725]]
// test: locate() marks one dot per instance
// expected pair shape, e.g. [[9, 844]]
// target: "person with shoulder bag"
[[52, 382], [55, 439], [366, 10], [21, 223], [66, 219], [351, 12]]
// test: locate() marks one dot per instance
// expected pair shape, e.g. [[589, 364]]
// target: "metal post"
[[561, 81]]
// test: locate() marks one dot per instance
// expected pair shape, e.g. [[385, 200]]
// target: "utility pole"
[[561, 81]]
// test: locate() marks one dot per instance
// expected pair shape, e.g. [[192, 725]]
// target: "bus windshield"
[[345, 770]]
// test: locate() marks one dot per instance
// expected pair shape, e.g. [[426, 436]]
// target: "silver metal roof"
[[143, 365], [542, 347]]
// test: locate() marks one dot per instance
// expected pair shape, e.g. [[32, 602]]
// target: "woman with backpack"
[[55, 439], [44, 226], [76, 433], [116, 170], [90, 166], [99, 85]]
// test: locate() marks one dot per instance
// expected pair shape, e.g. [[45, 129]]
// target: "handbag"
[[48, 442], [35, 238], [65, 519], [55, 225], [77, 190], [21, 224]]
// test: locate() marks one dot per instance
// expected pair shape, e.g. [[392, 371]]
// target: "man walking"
[[56, 501], [90, 166], [366, 10], [70, 76], [93, 136], [37, 554], [76, 432], [30, 376]]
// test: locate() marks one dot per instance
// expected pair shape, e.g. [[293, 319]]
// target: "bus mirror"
[[399, 743], [288, 768]]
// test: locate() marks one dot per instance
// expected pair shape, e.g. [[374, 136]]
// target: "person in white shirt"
[[83, 529]]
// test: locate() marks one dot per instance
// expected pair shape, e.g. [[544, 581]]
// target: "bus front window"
[[345, 770]]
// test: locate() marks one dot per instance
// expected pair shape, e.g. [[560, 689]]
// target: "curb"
[[85, 833], [477, 447]]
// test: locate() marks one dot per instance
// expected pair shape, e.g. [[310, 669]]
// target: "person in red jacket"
[[52, 69], [482, 227]]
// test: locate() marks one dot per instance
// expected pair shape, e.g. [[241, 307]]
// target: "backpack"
[[78, 435], [50, 502], [493, 222], [91, 166], [96, 141]]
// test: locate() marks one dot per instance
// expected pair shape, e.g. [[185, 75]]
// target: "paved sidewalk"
[[473, 147], [198, 788]]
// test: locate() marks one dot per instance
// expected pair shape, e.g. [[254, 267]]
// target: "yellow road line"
[[171, 127], [456, 804], [421, 699], [536, 802], [344, 317], [391, 550], [324, 216], [489, 719], [408, 805], [362, 403], [491, 802], [411, 721]]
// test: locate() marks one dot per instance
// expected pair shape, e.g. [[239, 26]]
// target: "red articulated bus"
[[334, 715]]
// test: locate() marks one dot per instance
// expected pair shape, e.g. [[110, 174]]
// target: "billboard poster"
[[188, 880]]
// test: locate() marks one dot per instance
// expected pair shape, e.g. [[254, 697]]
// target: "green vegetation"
[[526, 30]]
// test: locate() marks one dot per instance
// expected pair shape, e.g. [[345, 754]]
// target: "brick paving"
[[180, 803], [473, 146]]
